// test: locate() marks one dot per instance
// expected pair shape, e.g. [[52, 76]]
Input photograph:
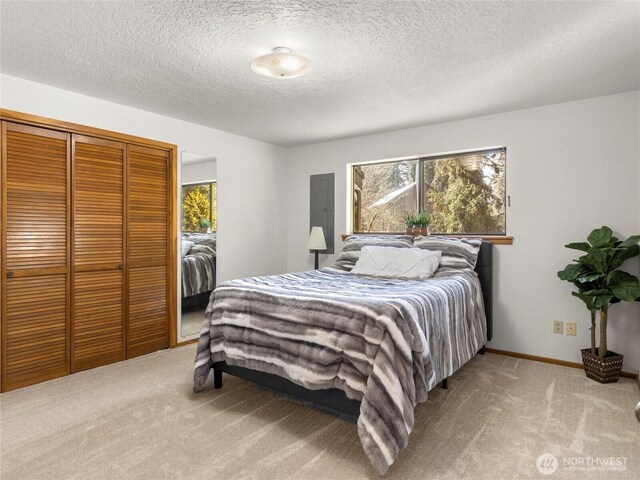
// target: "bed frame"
[[336, 401], [197, 300]]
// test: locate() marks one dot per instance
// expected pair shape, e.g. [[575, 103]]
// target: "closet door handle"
[[121, 266], [9, 274]]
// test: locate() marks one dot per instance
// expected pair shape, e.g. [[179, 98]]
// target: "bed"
[[364, 348], [198, 268]]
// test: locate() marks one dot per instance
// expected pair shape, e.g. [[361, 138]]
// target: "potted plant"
[[205, 225], [600, 284], [423, 222], [409, 220], [417, 223]]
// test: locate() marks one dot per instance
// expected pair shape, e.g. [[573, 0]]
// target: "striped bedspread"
[[382, 341], [198, 273]]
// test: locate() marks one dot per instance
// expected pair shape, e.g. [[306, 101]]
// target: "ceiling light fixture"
[[282, 63]]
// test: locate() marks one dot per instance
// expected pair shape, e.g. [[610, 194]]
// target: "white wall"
[[240, 195], [199, 172], [570, 168]]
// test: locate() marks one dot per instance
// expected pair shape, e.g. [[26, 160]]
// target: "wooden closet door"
[[35, 248], [98, 326], [148, 254]]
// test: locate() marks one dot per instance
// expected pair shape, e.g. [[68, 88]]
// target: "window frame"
[[196, 184], [351, 190]]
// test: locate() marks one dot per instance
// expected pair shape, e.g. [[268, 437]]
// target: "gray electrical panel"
[[322, 206]]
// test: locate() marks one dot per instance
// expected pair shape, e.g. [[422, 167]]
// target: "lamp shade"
[[316, 239], [282, 63]]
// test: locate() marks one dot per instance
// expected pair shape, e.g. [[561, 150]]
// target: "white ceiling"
[[379, 65]]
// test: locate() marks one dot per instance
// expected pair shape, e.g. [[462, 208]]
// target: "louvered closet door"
[[35, 248], [98, 327], [148, 171]]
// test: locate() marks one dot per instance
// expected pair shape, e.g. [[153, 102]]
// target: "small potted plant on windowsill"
[[409, 220], [417, 223], [601, 284], [205, 225]]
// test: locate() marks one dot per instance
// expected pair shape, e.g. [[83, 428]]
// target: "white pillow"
[[392, 262]]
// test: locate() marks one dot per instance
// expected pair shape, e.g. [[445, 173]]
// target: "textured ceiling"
[[379, 65]]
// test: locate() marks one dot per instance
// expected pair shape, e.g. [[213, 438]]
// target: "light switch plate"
[[571, 328], [558, 326]]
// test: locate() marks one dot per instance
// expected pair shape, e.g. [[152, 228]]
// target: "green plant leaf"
[[596, 292], [410, 219], [590, 277], [587, 262], [601, 297], [596, 259], [423, 219], [586, 286], [571, 272], [624, 286], [587, 299], [630, 242], [602, 301], [622, 254], [600, 237], [583, 246]]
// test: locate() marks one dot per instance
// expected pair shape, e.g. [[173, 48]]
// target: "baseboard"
[[185, 342], [554, 361]]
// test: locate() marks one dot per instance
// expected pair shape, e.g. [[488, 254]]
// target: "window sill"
[[495, 239]]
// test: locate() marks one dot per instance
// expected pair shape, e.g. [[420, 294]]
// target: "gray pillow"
[[186, 246], [203, 239], [460, 253], [354, 243], [200, 248]]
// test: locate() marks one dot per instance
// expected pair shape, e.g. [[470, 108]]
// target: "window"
[[198, 203], [462, 193]]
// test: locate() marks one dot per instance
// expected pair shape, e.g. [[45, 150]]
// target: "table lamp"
[[316, 241]]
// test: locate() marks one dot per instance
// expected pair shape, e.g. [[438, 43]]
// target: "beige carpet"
[[139, 419]]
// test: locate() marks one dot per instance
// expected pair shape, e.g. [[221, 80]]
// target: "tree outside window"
[[461, 193], [199, 203]]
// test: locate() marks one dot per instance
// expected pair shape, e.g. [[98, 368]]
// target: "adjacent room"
[[334, 240]]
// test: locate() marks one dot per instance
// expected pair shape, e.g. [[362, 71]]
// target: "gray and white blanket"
[[198, 263], [384, 342], [198, 273]]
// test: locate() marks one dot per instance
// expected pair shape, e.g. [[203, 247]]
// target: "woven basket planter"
[[418, 230], [603, 370]]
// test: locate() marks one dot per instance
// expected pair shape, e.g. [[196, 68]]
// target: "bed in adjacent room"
[[357, 345]]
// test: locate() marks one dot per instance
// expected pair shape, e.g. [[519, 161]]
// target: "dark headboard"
[[484, 269]]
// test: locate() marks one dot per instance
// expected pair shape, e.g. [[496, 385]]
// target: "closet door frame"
[[172, 235], [42, 130]]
